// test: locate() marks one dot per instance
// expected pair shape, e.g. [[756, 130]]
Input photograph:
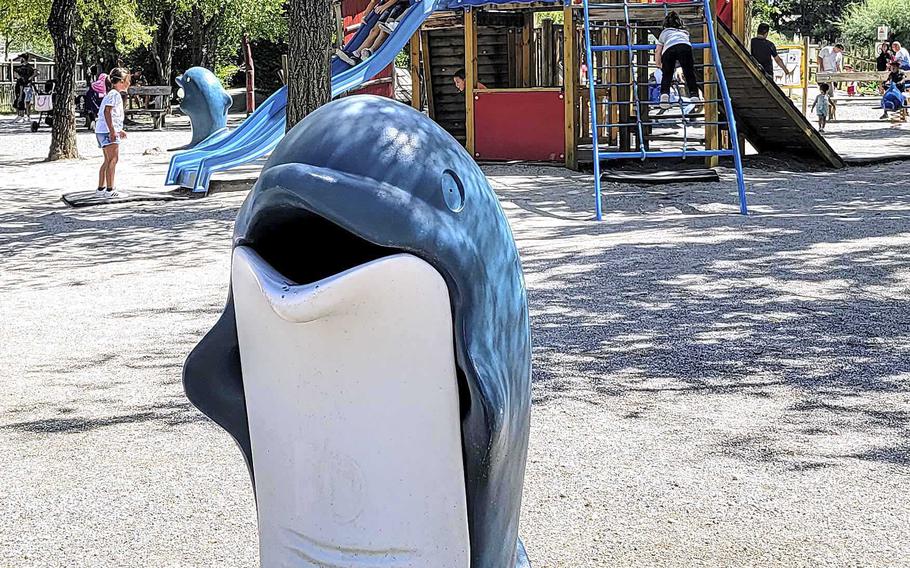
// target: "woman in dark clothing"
[[884, 57]]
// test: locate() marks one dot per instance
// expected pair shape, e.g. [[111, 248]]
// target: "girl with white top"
[[673, 46], [109, 130]]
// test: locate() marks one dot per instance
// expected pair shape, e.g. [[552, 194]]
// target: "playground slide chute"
[[261, 131]]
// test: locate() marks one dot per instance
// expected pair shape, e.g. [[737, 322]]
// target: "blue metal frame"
[[644, 154]]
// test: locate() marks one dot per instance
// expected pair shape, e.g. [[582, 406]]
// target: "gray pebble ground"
[[709, 389]]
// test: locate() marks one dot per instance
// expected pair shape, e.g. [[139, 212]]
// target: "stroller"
[[44, 104], [88, 106]]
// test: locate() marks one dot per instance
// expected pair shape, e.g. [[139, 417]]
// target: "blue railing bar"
[[669, 154], [652, 103], [640, 47], [656, 24], [636, 84], [728, 107], [652, 5], [598, 211]]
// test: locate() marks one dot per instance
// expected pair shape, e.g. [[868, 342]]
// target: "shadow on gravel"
[[675, 295], [173, 413]]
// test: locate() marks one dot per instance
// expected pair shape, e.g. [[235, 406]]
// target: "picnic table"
[[153, 100]]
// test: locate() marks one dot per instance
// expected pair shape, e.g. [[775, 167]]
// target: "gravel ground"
[[710, 389], [859, 133]]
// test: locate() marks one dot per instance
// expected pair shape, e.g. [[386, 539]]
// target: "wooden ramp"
[[764, 113]]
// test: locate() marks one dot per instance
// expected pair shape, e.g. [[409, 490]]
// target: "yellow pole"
[[805, 74]]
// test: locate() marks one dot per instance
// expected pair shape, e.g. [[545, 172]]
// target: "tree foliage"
[[818, 19], [860, 22], [148, 33], [23, 25]]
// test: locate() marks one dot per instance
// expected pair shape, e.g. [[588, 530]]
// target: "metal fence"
[[6, 97]]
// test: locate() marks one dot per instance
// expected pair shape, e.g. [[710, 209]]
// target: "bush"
[[860, 22]]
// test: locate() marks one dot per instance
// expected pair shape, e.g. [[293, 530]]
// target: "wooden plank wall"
[[498, 39]]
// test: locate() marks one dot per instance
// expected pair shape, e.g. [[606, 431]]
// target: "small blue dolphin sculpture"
[[206, 103]]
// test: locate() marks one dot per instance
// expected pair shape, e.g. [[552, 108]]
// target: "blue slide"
[[261, 131]]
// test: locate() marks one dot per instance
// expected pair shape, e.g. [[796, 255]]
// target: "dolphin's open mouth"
[[305, 247]]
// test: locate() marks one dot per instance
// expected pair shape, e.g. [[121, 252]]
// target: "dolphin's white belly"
[[352, 399]]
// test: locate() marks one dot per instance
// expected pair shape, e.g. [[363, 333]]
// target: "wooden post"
[[339, 25], [739, 20], [416, 95], [470, 72], [712, 132], [250, 75], [527, 35], [428, 74], [570, 85], [546, 38]]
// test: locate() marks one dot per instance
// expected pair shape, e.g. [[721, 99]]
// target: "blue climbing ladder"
[[632, 17]]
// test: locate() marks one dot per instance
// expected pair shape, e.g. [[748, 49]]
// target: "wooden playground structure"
[[526, 92]]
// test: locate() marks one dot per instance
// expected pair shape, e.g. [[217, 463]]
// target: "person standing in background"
[[901, 55], [765, 52], [884, 57]]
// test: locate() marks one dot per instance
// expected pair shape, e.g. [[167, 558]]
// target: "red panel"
[[523, 125], [352, 10], [380, 89]]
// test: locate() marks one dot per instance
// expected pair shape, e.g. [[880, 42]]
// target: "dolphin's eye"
[[452, 191], [188, 79]]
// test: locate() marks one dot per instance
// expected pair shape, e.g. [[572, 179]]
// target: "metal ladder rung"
[[639, 47], [644, 5], [666, 154]]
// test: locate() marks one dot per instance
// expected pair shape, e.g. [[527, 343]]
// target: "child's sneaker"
[[665, 102], [344, 56], [114, 194], [365, 54], [101, 192]]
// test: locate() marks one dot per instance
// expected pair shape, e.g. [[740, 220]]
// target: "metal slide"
[[261, 131]]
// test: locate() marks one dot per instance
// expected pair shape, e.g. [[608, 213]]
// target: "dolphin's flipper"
[[213, 380]]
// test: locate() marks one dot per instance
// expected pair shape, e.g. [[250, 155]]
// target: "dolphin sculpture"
[[206, 102], [373, 360]]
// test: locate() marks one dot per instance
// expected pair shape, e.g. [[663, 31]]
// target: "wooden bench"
[[154, 101]]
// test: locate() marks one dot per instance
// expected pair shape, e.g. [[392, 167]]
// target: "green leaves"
[[860, 21]]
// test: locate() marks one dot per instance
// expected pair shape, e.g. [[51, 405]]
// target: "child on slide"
[[389, 13], [673, 46], [109, 131]]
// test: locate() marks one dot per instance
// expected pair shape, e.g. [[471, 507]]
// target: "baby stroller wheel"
[[34, 126]]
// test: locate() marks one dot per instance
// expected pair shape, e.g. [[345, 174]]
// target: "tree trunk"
[[62, 25], [163, 47], [310, 26], [196, 43]]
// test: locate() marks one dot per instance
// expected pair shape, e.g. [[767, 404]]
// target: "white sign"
[[883, 33]]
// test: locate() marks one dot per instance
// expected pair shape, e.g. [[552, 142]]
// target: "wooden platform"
[[764, 113]]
